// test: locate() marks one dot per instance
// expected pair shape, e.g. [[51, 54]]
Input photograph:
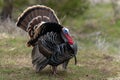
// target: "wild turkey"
[[52, 43]]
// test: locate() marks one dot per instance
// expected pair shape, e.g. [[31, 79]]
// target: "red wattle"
[[70, 40]]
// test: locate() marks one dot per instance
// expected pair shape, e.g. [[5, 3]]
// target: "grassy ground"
[[15, 64], [98, 56]]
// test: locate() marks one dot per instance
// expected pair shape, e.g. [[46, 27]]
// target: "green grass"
[[15, 64]]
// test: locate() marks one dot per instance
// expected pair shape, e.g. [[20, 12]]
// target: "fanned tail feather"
[[36, 14]]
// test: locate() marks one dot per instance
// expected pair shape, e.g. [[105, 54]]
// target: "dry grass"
[[10, 27]]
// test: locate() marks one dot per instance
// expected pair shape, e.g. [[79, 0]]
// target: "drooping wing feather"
[[39, 61]]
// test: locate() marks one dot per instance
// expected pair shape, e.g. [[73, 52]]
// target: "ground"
[[93, 64]]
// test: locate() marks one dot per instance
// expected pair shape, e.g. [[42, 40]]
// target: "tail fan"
[[34, 15]]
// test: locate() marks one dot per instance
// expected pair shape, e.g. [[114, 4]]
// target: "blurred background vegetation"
[[94, 24], [63, 8]]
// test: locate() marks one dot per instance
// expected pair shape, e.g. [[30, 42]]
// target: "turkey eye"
[[65, 31]]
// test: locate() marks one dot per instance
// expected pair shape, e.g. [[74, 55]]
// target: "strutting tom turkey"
[[51, 42]]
